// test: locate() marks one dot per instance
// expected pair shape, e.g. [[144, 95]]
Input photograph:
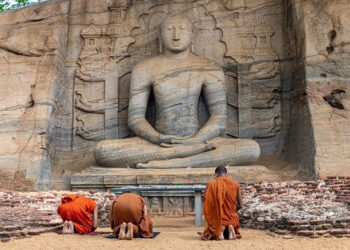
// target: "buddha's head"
[[176, 33]]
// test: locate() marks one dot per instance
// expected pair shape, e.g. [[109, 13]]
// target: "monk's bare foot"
[[231, 233], [65, 228], [130, 232], [221, 237], [71, 227], [203, 236], [122, 231]]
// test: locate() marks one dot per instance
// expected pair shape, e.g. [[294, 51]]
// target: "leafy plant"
[[3, 5], [14, 4]]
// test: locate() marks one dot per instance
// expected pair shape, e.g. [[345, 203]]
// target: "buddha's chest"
[[178, 85]]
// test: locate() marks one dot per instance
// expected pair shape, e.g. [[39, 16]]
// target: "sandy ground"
[[176, 233]]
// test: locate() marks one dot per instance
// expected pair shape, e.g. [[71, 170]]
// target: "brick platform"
[[311, 208]]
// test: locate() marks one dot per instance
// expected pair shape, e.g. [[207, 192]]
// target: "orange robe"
[[77, 209], [219, 207], [130, 208]]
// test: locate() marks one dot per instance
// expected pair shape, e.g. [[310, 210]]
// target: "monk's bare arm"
[[239, 199], [140, 88], [94, 219], [145, 210]]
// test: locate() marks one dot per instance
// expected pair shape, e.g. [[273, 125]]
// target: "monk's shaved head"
[[220, 171]]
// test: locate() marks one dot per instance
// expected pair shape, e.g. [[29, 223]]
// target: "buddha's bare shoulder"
[[205, 62], [145, 65], [149, 63], [210, 69], [156, 63]]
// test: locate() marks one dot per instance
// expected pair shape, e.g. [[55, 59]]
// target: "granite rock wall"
[[317, 96], [33, 45], [65, 70]]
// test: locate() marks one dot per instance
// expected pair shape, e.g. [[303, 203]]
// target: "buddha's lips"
[[176, 44]]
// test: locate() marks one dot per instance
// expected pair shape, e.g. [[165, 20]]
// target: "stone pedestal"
[[103, 179], [168, 203]]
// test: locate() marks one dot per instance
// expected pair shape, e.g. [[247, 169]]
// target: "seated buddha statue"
[[177, 78]]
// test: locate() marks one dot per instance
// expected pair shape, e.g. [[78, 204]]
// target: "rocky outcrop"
[[65, 73], [318, 137], [32, 78]]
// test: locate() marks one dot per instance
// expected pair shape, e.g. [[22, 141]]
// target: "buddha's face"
[[176, 33]]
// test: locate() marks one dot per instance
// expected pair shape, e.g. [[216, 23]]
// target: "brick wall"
[[311, 208], [33, 213]]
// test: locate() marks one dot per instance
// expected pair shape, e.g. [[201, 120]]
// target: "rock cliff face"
[[318, 36], [33, 44], [65, 70]]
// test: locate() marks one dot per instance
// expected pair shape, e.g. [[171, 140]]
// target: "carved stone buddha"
[[177, 78]]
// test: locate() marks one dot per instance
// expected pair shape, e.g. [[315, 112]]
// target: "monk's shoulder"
[[229, 180], [233, 182], [85, 200], [212, 183], [128, 196], [59, 209]]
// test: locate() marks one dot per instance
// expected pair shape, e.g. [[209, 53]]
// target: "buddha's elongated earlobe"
[[160, 41], [192, 43], [160, 45]]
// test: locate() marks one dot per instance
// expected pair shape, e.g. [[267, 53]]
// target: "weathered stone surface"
[[319, 94], [105, 178], [32, 55], [83, 60], [68, 64]]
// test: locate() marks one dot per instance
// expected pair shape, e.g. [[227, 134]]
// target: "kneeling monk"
[[76, 211], [129, 217], [222, 200]]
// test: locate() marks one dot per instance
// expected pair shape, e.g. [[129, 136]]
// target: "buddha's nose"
[[176, 35]]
